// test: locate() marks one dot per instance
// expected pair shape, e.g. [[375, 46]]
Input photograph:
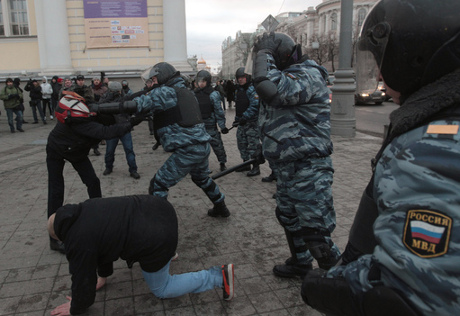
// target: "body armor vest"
[[242, 102]]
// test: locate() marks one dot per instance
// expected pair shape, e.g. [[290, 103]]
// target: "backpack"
[[72, 105]]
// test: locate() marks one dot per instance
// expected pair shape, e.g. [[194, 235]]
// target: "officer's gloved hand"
[[242, 121], [224, 130], [137, 119], [267, 42], [235, 124], [258, 155]]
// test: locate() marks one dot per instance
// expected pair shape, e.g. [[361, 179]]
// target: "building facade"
[[316, 29], [50, 37]]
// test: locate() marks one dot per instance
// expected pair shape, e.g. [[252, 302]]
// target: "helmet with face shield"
[[162, 71], [409, 43]]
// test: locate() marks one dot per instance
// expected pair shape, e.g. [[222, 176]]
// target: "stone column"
[[53, 37], [343, 121], [175, 34]]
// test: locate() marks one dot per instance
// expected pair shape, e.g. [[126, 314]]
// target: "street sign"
[[270, 23]]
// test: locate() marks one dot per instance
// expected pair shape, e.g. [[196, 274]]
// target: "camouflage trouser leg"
[[247, 138], [217, 144], [181, 162], [304, 198]]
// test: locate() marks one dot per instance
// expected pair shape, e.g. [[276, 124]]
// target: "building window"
[[334, 21], [361, 16], [13, 18], [2, 27]]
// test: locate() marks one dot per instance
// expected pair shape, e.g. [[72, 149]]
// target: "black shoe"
[[21, 130], [24, 122], [155, 146], [13, 131], [219, 209], [255, 171], [96, 152], [222, 166], [57, 245], [107, 171], [292, 269], [44, 123], [270, 178], [135, 175], [35, 123]]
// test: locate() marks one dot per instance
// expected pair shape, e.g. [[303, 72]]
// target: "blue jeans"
[[9, 114], [164, 285], [111, 145]]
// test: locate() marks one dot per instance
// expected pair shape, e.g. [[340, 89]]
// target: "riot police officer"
[[212, 114], [411, 203], [180, 128], [295, 131], [246, 114]]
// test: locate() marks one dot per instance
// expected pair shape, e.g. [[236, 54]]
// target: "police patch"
[[292, 76], [427, 233]]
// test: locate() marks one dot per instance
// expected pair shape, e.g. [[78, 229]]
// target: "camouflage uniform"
[[217, 116], [189, 146], [247, 135], [416, 189], [296, 140]]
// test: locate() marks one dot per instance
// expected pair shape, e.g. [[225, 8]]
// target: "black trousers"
[[55, 164]]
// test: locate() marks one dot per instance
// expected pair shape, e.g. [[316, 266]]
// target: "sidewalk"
[[34, 279]]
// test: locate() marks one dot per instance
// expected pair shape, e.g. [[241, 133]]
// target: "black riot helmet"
[[240, 73], [163, 71], [410, 43], [204, 75], [288, 52]]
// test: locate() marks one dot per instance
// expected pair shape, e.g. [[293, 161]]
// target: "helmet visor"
[[371, 46], [148, 74]]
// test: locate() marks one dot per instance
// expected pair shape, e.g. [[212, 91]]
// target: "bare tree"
[[332, 43], [318, 49]]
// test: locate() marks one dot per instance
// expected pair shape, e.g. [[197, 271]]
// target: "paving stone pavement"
[[34, 279]]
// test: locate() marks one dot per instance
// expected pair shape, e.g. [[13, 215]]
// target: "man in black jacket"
[[137, 228], [72, 141], [35, 93]]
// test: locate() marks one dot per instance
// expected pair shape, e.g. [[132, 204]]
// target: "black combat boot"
[[219, 209], [255, 171], [292, 269]]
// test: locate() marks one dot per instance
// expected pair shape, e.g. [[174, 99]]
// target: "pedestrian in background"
[[230, 91], [11, 97], [294, 125], [35, 94], [56, 85], [114, 94], [47, 91], [220, 88]]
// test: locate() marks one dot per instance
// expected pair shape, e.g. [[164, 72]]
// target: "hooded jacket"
[[138, 228]]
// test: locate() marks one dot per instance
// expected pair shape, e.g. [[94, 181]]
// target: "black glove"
[[224, 130], [258, 155], [10, 96], [267, 42], [137, 119], [235, 124], [243, 121]]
